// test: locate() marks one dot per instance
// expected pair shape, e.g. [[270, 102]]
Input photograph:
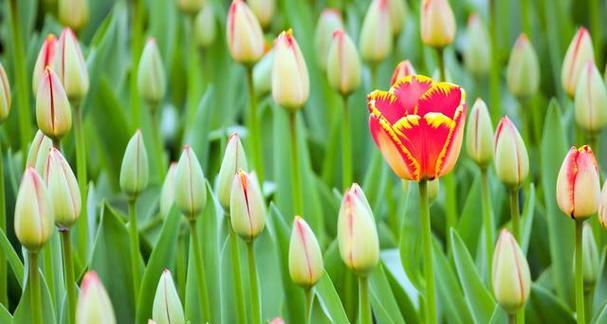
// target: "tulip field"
[[303, 161]]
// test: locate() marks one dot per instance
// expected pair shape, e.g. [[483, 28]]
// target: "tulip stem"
[[593, 142], [346, 146], [515, 215], [34, 278], [3, 264], [427, 249], [309, 304], [134, 238], [181, 264], [201, 276], [137, 45], [295, 169], [253, 127], [579, 274], [68, 267], [487, 220], [236, 274], [525, 17], [588, 294], [254, 286], [365, 316], [81, 224], [494, 72], [160, 162], [441, 64]]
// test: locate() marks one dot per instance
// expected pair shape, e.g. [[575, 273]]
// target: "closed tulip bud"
[[523, 72], [577, 185], [5, 95], [74, 13], [262, 74], [305, 259], [94, 305], [343, 65], [245, 38], [277, 320], [510, 154], [476, 51], [39, 150], [70, 66], [234, 159], [290, 79], [63, 189], [205, 30], [330, 20], [53, 111], [167, 193], [479, 137], [375, 40], [151, 322], [591, 100], [437, 23], [398, 15], [403, 69], [602, 209], [510, 276], [34, 219], [190, 7], [579, 52], [167, 307], [190, 188], [590, 256], [151, 79], [46, 57], [263, 10], [247, 206], [356, 232], [134, 172]]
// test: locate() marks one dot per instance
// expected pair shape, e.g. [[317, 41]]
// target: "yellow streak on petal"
[[436, 119], [406, 122]]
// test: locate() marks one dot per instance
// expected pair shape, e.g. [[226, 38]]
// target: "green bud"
[[305, 258], [151, 79], [234, 160], [343, 65], [190, 7], [590, 99], [205, 26], [70, 66], [479, 134], [190, 188], [167, 307], [94, 305], [398, 15], [476, 53], [247, 206], [590, 256], [53, 111], [74, 13], [329, 21], [510, 274], [167, 193], [511, 159], [523, 72], [63, 189], [5, 95], [134, 172], [375, 42], [264, 10], [39, 149]]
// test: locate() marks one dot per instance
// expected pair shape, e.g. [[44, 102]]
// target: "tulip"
[[398, 15], [190, 188], [305, 258], [39, 150], [134, 172], [418, 126], [190, 7], [245, 38], [5, 95], [479, 136], [330, 21], [602, 208], [375, 41], [94, 305], [510, 276], [167, 193], [403, 69], [343, 65], [577, 185], [523, 72], [510, 155], [167, 307], [205, 28], [262, 74], [590, 256], [591, 100], [290, 80], [437, 23], [70, 66], [63, 189], [476, 53], [151, 79], [74, 13], [234, 159], [34, 217], [277, 320], [46, 57], [53, 112], [263, 10], [247, 206], [579, 52]]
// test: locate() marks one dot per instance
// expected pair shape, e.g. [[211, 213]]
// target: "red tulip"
[[418, 126]]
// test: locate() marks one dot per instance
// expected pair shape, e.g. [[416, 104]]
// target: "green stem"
[[441, 64], [364, 308], [525, 17], [512, 318], [588, 299], [68, 268], [3, 264], [253, 126], [236, 274], [254, 286], [579, 274], [134, 240], [49, 271], [295, 169], [192, 94], [346, 146], [309, 304], [137, 45], [593, 142], [160, 161], [487, 220], [427, 249], [373, 69], [81, 225], [181, 265], [34, 278], [520, 316], [515, 215], [201, 276], [494, 79]]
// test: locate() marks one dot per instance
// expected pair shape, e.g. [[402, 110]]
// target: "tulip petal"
[[398, 157], [409, 90]]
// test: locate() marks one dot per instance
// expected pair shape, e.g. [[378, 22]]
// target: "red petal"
[[394, 152], [409, 90]]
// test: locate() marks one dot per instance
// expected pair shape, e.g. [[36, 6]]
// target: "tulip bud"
[[263, 10], [167, 193], [5, 95], [290, 79], [33, 212], [247, 206], [329, 21], [579, 52], [437, 23], [591, 100], [398, 15], [134, 172], [53, 112], [590, 256], [375, 40], [245, 38], [190, 7], [262, 74], [476, 53], [403, 69], [343, 65], [151, 322], [277, 320], [39, 150], [356, 232], [190, 188], [151, 80], [234, 159], [46, 57], [511, 159], [577, 185], [480, 134], [63, 189], [74, 13], [602, 208], [205, 26], [510, 276], [70, 66], [167, 307], [305, 258], [94, 305], [433, 188], [523, 72]]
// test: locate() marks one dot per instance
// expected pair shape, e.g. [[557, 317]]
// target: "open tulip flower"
[[418, 126]]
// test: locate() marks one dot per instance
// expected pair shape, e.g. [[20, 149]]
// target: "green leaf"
[[528, 213], [329, 300], [382, 299], [601, 317], [5, 315], [410, 240], [12, 258], [197, 132], [600, 289], [544, 307], [499, 316], [23, 313]]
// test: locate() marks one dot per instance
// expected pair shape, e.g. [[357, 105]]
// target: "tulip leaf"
[[499, 316], [382, 299], [197, 132], [600, 288], [24, 313], [470, 219], [5, 315], [527, 220], [410, 239], [544, 307], [329, 300], [403, 290], [12, 258], [601, 316]]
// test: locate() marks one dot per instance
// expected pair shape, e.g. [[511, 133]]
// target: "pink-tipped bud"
[[39, 150], [476, 51], [151, 78], [245, 38], [579, 52], [330, 20], [602, 209], [523, 72], [5, 95], [247, 206], [205, 26], [34, 219], [94, 304], [63, 189], [437, 23], [70, 66], [46, 57], [190, 184], [398, 15], [479, 135], [167, 306], [53, 111], [134, 171], [510, 274], [403, 69], [264, 10], [590, 103], [510, 154], [290, 79], [305, 258], [577, 186], [74, 13], [343, 65], [376, 37], [234, 159]]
